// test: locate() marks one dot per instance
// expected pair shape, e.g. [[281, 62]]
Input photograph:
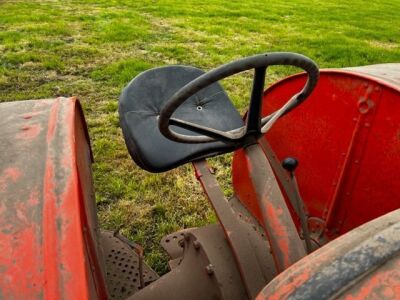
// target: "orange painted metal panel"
[[47, 232]]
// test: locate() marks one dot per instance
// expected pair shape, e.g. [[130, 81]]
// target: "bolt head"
[[210, 269], [186, 236], [196, 245]]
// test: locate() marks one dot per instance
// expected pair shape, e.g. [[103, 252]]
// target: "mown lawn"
[[91, 49]]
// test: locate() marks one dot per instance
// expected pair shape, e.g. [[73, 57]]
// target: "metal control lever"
[[290, 164]]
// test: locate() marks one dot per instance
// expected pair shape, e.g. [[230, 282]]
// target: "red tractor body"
[[49, 241], [346, 137]]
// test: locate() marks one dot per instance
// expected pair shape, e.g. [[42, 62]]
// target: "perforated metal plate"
[[122, 267]]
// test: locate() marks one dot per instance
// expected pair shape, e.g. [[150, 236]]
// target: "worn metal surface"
[[254, 233], [257, 237], [286, 245], [173, 245], [363, 263], [292, 195], [200, 254], [387, 74], [207, 271], [345, 134], [47, 231], [249, 267], [125, 272]]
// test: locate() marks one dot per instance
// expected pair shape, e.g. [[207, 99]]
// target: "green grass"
[[91, 49]]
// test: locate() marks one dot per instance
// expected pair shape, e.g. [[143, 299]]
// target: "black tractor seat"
[[139, 107]]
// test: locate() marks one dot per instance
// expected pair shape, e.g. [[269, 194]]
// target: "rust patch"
[[10, 173]]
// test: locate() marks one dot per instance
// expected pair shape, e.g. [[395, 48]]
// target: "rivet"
[[196, 245], [187, 237], [363, 107], [210, 269]]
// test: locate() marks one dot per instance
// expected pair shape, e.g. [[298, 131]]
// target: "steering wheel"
[[255, 124]]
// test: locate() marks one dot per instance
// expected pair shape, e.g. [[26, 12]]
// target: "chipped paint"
[[29, 131], [338, 175], [364, 262], [42, 213]]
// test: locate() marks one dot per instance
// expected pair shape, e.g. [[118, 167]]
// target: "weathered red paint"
[[29, 132], [286, 246], [47, 235], [48, 241], [345, 134], [347, 139], [382, 282], [11, 173], [280, 232]]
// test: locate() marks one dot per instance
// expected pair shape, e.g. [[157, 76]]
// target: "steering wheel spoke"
[[253, 116], [255, 124], [268, 121], [210, 133]]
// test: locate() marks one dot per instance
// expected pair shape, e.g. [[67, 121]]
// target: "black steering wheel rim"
[[255, 123]]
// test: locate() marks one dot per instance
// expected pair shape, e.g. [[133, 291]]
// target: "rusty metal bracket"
[[286, 245], [236, 236], [173, 245], [282, 175]]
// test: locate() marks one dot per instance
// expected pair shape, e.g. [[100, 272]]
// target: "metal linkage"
[[280, 173], [236, 235], [286, 245], [290, 164], [290, 186]]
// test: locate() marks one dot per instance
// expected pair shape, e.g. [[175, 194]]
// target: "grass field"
[[91, 49]]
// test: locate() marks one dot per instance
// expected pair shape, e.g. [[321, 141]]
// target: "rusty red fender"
[[48, 227]]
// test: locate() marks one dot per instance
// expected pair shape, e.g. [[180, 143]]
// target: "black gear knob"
[[290, 164]]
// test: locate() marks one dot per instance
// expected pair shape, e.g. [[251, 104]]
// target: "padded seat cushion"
[[141, 102]]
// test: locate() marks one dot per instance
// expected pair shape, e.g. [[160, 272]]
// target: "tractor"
[[315, 212]]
